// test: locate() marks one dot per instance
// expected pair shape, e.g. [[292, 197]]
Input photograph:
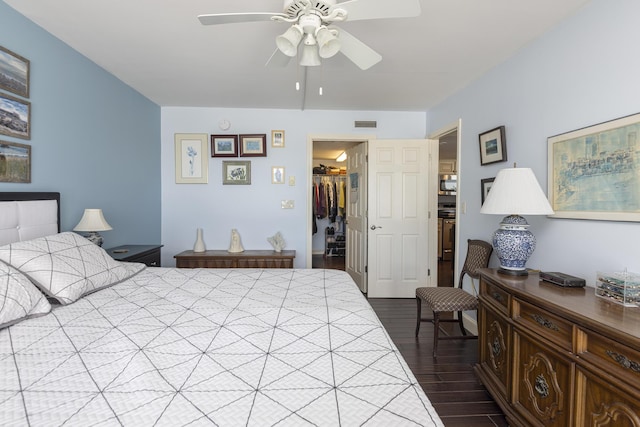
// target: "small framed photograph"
[[253, 145], [493, 146], [236, 172], [15, 162], [486, 186], [277, 175], [15, 117], [277, 138], [224, 145], [192, 158], [14, 73]]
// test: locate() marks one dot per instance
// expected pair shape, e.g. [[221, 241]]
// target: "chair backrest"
[[478, 254]]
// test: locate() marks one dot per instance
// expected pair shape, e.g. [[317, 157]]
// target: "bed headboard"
[[27, 215]]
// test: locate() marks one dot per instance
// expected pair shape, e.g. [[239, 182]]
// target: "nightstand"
[[146, 254]]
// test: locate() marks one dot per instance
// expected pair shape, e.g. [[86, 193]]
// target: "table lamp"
[[515, 192], [91, 222]]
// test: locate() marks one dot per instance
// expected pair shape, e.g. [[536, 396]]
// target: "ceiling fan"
[[312, 33]]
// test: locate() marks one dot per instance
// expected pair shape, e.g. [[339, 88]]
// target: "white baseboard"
[[470, 323]]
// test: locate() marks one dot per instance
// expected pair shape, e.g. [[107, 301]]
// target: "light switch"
[[292, 181], [287, 204]]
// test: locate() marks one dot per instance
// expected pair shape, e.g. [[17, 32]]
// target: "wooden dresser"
[[246, 259], [553, 356]]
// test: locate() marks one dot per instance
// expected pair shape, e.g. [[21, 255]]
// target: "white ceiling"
[[159, 48]]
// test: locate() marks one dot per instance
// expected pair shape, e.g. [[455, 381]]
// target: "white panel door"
[[356, 209], [398, 217]]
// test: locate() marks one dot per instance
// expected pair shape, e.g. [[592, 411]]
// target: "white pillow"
[[66, 266], [19, 298]]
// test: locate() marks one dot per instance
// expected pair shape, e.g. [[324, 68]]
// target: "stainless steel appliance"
[[446, 231], [448, 185]]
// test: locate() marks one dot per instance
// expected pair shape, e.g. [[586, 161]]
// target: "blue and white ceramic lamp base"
[[514, 244]]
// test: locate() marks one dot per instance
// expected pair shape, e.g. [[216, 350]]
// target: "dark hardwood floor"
[[448, 380]]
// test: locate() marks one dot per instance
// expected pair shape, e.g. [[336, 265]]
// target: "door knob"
[[373, 227]]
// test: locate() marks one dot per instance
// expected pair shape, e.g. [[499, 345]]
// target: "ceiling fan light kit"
[[312, 35]]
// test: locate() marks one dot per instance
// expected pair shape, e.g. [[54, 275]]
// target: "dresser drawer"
[[613, 357], [606, 404], [543, 383], [495, 296], [542, 323]]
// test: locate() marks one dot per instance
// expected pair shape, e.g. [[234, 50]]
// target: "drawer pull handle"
[[541, 387], [496, 349], [496, 296], [624, 361], [544, 322]]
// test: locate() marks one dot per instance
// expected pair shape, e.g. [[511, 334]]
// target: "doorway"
[[329, 240], [448, 168]]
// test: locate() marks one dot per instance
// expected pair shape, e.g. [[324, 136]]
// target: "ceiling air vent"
[[366, 124]]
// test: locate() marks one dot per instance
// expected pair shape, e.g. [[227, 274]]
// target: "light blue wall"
[[93, 138], [583, 72], [255, 209]]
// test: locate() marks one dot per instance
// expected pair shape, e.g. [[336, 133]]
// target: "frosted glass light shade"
[[328, 43], [309, 56], [288, 42]]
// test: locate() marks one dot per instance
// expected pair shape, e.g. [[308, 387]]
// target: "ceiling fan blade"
[[359, 53], [278, 60], [358, 10], [233, 18]]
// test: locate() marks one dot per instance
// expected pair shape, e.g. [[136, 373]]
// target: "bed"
[[97, 342]]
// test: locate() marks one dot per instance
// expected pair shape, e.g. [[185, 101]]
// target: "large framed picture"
[[236, 172], [15, 162], [192, 158], [594, 172], [253, 145], [493, 146], [15, 117], [224, 145], [14, 73]]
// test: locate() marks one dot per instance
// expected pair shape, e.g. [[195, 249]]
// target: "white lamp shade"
[[516, 191], [288, 42], [93, 220]]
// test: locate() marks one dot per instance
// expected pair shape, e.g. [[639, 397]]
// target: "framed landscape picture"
[[14, 73], [224, 145], [253, 145], [15, 117], [493, 146], [15, 162], [594, 172]]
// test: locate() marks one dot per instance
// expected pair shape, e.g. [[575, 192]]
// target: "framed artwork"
[[493, 146], [192, 159], [486, 186], [253, 145], [277, 138], [15, 162], [15, 117], [594, 173], [14, 73], [236, 172], [224, 145], [277, 175]]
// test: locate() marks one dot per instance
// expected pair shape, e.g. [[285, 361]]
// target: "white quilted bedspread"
[[177, 347]]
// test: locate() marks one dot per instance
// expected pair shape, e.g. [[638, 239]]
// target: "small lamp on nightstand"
[[92, 222], [515, 192]]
